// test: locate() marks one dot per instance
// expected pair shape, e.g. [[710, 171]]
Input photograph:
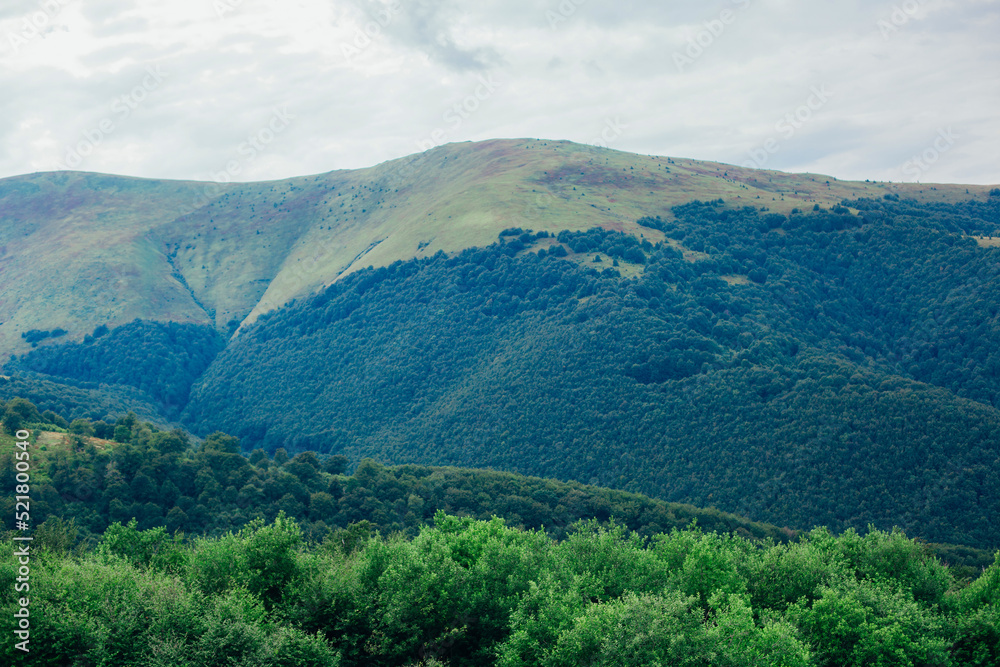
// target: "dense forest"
[[79, 399], [96, 473], [573, 576], [470, 592], [830, 367], [162, 359]]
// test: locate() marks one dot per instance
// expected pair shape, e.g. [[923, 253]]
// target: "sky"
[[248, 90]]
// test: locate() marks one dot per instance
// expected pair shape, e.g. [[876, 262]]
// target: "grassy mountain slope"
[[81, 250]]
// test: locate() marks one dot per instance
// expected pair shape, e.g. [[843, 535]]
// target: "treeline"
[[825, 367], [108, 472], [478, 593], [162, 359]]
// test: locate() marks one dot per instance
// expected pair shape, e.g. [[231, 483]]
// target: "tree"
[[12, 421], [221, 442], [143, 488], [336, 464], [56, 535], [82, 427], [176, 520], [322, 507], [269, 553], [305, 466], [172, 442]]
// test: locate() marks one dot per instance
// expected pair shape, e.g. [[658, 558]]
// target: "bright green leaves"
[[862, 623], [261, 558], [143, 548], [668, 629], [468, 593]]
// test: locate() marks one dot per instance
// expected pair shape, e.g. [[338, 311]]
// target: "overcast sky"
[[256, 89]]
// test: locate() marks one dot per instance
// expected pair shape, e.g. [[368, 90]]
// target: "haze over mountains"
[[794, 348]]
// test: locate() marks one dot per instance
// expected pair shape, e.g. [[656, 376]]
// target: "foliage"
[[161, 359], [449, 589], [786, 368], [156, 479], [465, 592]]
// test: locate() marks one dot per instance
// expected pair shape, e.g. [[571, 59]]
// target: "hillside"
[[304, 565], [94, 473], [807, 359], [784, 377], [81, 250]]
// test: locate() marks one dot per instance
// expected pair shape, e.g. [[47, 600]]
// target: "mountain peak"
[[101, 249]]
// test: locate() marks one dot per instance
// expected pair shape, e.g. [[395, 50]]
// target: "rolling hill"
[[792, 348]]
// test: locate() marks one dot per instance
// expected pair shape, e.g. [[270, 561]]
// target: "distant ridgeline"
[[830, 367]]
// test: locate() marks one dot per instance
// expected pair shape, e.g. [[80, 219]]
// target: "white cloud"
[[370, 80]]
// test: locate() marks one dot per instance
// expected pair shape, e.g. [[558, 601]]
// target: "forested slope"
[[830, 367], [160, 359], [96, 473], [249, 585]]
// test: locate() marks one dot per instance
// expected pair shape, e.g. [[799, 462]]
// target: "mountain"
[[80, 250], [792, 348]]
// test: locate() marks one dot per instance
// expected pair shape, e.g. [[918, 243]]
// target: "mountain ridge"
[[776, 365], [98, 249]]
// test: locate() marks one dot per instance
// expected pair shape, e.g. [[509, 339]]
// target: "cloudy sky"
[[256, 89]]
